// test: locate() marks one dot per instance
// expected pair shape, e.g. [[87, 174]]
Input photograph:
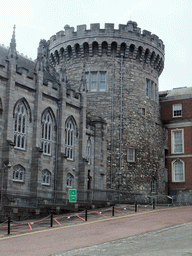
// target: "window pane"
[[177, 110], [178, 143], [178, 171], [87, 80], [147, 87], [93, 81], [131, 154], [102, 84]]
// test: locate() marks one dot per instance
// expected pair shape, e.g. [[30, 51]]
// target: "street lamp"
[[2, 181]]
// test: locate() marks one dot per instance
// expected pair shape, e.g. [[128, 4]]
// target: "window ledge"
[[22, 149], [46, 184], [46, 154], [20, 181]]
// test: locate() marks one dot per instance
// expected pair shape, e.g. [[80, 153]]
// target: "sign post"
[[72, 195]]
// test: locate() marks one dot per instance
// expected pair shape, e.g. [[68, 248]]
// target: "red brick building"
[[176, 114]]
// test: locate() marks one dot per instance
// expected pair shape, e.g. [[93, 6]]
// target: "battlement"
[[129, 30]]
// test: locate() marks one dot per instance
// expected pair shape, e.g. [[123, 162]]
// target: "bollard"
[[113, 210], [153, 204], [51, 220], [135, 206], [85, 213], [9, 222]]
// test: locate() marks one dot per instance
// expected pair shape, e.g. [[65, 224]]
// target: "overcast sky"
[[170, 20]]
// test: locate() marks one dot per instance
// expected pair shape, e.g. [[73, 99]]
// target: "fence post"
[[51, 219], [135, 206], [153, 203], [9, 222], [113, 210], [85, 213]]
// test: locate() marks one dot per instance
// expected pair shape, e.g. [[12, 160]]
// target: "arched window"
[[70, 180], [131, 49], [139, 52], [178, 171], [69, 51], [18, 173], [104, 47], [146, 55], [95, 47], [69, 138], [47, 127], [46, 177], [113, 48], [86, 49], [20, 127], [123, 48], [77, 49], [57, 56], [89, 151]]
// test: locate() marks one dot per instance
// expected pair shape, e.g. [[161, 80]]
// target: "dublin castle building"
[[84, 115]]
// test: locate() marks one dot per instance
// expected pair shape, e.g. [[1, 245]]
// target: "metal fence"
[[54, 198]]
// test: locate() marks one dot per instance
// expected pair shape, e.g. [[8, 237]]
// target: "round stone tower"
[[122, 67]]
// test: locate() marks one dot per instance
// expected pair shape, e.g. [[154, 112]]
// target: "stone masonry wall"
[[142, 59]]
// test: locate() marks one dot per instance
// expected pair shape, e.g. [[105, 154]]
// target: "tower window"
[[131, 154], [96, 81]]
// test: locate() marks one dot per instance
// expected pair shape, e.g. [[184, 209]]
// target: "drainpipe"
[[121, 122], [56, 147]]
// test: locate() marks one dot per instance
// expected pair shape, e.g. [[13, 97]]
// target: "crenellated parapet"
[[127, 40]]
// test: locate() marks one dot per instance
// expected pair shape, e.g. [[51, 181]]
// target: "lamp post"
[[2, 181]]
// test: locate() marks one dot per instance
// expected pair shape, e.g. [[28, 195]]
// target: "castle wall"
[[129, 59]]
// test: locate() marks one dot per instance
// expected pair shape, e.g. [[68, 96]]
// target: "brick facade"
[[180, 122]]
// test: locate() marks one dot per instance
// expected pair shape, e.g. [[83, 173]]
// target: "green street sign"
[[72, 195]]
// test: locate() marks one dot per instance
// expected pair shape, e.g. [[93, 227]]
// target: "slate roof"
[[176, 93]]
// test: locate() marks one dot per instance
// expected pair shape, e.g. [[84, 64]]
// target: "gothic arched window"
[[20, 126], [69, 139], [70, 180], [47, 127], [46, 177], [18, 173]]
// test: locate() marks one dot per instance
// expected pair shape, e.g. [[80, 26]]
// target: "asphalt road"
[[173, 241], [107, 236]]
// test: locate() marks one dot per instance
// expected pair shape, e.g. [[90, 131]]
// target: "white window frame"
[[173, 171], [176, 108], [132, 158], [173, 145], [46, 178], [70, 180], [20, 126], [47, 130], [18, 173]]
